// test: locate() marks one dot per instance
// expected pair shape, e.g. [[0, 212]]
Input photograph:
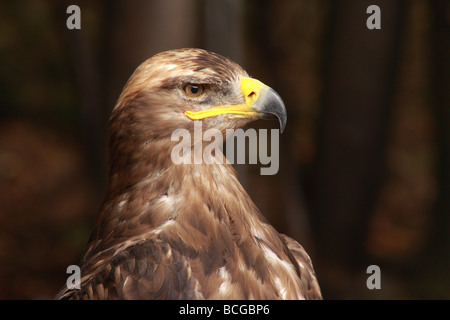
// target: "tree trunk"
[[359, 81], [436, 261]]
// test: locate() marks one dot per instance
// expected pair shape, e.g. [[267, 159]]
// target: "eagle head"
[[173, 89]]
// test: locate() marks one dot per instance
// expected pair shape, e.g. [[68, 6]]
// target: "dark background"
[[365, 159]]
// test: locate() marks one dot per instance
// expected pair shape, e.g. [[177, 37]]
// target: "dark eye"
[[193, 90]]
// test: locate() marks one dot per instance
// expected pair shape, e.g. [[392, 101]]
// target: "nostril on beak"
[[252, 96]]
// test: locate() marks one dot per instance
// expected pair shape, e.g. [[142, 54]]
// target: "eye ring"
[[193, 90]]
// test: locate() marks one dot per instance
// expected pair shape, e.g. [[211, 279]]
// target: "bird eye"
[[193, 90]]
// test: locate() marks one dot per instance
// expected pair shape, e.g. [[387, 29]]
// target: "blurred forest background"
[[365, 159]]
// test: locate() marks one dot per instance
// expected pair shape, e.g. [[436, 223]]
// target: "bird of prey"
[[186, 231]]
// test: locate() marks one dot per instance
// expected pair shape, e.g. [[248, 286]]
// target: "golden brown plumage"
[[186, 231]]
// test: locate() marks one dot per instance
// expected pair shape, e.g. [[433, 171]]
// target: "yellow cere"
[[251, 89]]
